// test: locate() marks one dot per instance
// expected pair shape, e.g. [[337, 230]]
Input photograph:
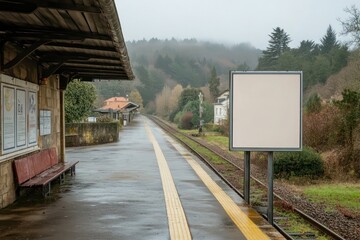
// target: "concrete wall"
[[82, 134], [49, 99]]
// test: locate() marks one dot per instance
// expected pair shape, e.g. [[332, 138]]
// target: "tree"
[[214, 84], [278, 44], [188, 95], [350, 111], [189, 121], [79, 100], [329, 42], [162, 102], [135, 97], [350, 108], [174, 97], [308, 49], [352, 24], [313, 104]]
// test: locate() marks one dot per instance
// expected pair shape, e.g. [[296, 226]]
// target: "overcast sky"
[[231, 21]]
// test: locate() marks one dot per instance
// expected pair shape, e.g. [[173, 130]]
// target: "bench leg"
[[46, 190], [62, 178], [72, 170]]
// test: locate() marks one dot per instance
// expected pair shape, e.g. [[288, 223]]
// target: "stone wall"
[[49, 99], [82, 134], [7, 185]]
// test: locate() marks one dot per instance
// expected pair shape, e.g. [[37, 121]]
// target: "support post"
[[247, 177], [62, 119], [270, 209]]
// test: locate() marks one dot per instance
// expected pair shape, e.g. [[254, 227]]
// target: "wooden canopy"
[[74, 38]]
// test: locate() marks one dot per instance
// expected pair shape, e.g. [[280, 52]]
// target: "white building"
[[221, 107]]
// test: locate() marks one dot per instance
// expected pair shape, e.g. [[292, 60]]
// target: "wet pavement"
[[117, 194]]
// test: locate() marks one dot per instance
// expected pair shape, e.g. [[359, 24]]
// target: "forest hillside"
[[157, 63]]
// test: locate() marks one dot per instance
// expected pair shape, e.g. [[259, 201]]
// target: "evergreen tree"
[[308, 49], [278, 44], [187, 95], [214, 83], [329, 42]]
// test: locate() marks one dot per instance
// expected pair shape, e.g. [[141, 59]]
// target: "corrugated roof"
[[76, 38]]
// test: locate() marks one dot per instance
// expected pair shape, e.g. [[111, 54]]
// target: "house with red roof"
[[119, 108]]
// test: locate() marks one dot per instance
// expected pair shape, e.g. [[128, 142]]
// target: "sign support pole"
[[247, 177], [270, 209]]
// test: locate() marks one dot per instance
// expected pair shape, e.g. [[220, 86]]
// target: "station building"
[[43, 46]]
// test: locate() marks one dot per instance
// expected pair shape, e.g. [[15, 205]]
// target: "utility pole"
[[201, 98]]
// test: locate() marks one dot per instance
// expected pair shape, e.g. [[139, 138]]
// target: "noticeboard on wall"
[[45, 122], [8, 118], [18, 116], [32, 109], [266, 111]]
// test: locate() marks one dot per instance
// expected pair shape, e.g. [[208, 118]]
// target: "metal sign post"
[[201, 99], [270, 209], [265, 116], [247, 177]]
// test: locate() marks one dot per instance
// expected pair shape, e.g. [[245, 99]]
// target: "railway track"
[[293, 235]]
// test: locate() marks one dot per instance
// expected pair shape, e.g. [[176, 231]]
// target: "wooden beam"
[[89, 70], [104, 74], [72, 63], [60, 5], [18, 33], [52, 69], [28, 6], [81, 46], [17, 6], [21, 56], [54, 56]]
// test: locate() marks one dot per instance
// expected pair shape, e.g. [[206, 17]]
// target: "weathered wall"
[[7, 185], [48, 98], [82, 134]]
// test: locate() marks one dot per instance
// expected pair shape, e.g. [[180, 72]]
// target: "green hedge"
[[305, 163]]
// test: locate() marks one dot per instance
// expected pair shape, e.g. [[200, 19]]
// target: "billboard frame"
[[264, 74]]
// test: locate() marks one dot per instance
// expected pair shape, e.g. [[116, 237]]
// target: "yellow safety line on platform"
[[250, 230], [178, 225]]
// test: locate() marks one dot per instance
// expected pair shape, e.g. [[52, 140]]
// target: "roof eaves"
[[109, 9]]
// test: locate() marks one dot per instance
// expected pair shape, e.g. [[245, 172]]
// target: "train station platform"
[[146, 186]]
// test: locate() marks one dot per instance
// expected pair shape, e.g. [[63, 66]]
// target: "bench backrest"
[[30, 166]]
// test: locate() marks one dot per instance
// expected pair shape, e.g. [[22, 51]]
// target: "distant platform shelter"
[[119, 108]]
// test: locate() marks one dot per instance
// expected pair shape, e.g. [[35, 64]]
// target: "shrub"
[[211, 127], [305, 163], [104, 118], [185, 122], [313, 104], [321, 129]]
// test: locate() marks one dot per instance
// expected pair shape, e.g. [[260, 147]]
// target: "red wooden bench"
[[40, 169]]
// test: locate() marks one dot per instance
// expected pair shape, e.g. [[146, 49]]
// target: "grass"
[[204, 152], [218, 139], [335, 195], [294, 224]]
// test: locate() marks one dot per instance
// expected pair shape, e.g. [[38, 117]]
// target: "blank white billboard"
[[266, 111]]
